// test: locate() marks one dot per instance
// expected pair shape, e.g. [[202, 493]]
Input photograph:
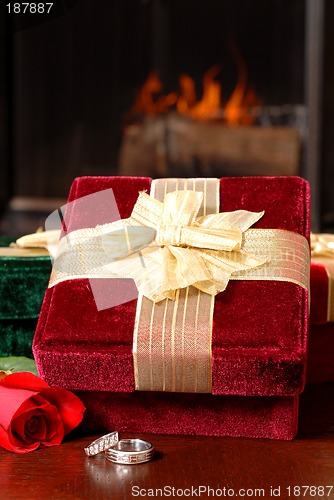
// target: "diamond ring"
[[101, 444]]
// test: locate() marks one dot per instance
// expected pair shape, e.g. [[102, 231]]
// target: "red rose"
[[33, 414]]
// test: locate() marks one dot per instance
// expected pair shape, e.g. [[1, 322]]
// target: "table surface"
[[231, 467]]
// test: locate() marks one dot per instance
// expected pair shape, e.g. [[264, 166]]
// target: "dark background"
[[69, 78]]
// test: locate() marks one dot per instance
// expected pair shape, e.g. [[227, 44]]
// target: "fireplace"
[[255, 67], [75, 80]]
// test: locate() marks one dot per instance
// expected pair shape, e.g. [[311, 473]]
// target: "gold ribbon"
[[176, 246], [39, 244], [322, 252], [172, 338]]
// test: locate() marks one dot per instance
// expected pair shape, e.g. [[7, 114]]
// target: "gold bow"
[[184, 249], [322, 245]]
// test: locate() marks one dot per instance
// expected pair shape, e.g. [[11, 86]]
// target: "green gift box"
[[24, 276]]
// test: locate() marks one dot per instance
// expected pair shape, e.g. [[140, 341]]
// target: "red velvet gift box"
[[259, 336], [320, 365]]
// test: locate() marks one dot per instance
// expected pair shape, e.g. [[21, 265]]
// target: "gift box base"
[[191, 414], [320, 366]]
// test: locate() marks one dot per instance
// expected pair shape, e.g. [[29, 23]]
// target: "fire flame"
[[236, 111], [242, 98], [210, 103], [147, 104]]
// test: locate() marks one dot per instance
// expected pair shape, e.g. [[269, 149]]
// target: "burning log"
[[173, 144], [181, 135]]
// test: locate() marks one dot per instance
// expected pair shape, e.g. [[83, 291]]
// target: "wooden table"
[[244, 467]]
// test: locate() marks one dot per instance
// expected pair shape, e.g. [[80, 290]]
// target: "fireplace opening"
[[238, 84], [224, 94]]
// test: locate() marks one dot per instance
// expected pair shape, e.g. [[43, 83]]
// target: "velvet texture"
[[319, 294], [23, 281], [259, 330], [320, 366], [16, 337], [193, 414]]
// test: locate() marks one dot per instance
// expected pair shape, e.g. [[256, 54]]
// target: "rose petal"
[[34, 424], [70, 407], [12, 399], [48, 419], [24, 380], [26, 433], [18, 427], [50, 429], [38, 408], [11, 445], [11, 442]]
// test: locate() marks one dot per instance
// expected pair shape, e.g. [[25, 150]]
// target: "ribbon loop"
[[181, 207]]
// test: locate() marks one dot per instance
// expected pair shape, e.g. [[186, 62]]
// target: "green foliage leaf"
[[18, 364]]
